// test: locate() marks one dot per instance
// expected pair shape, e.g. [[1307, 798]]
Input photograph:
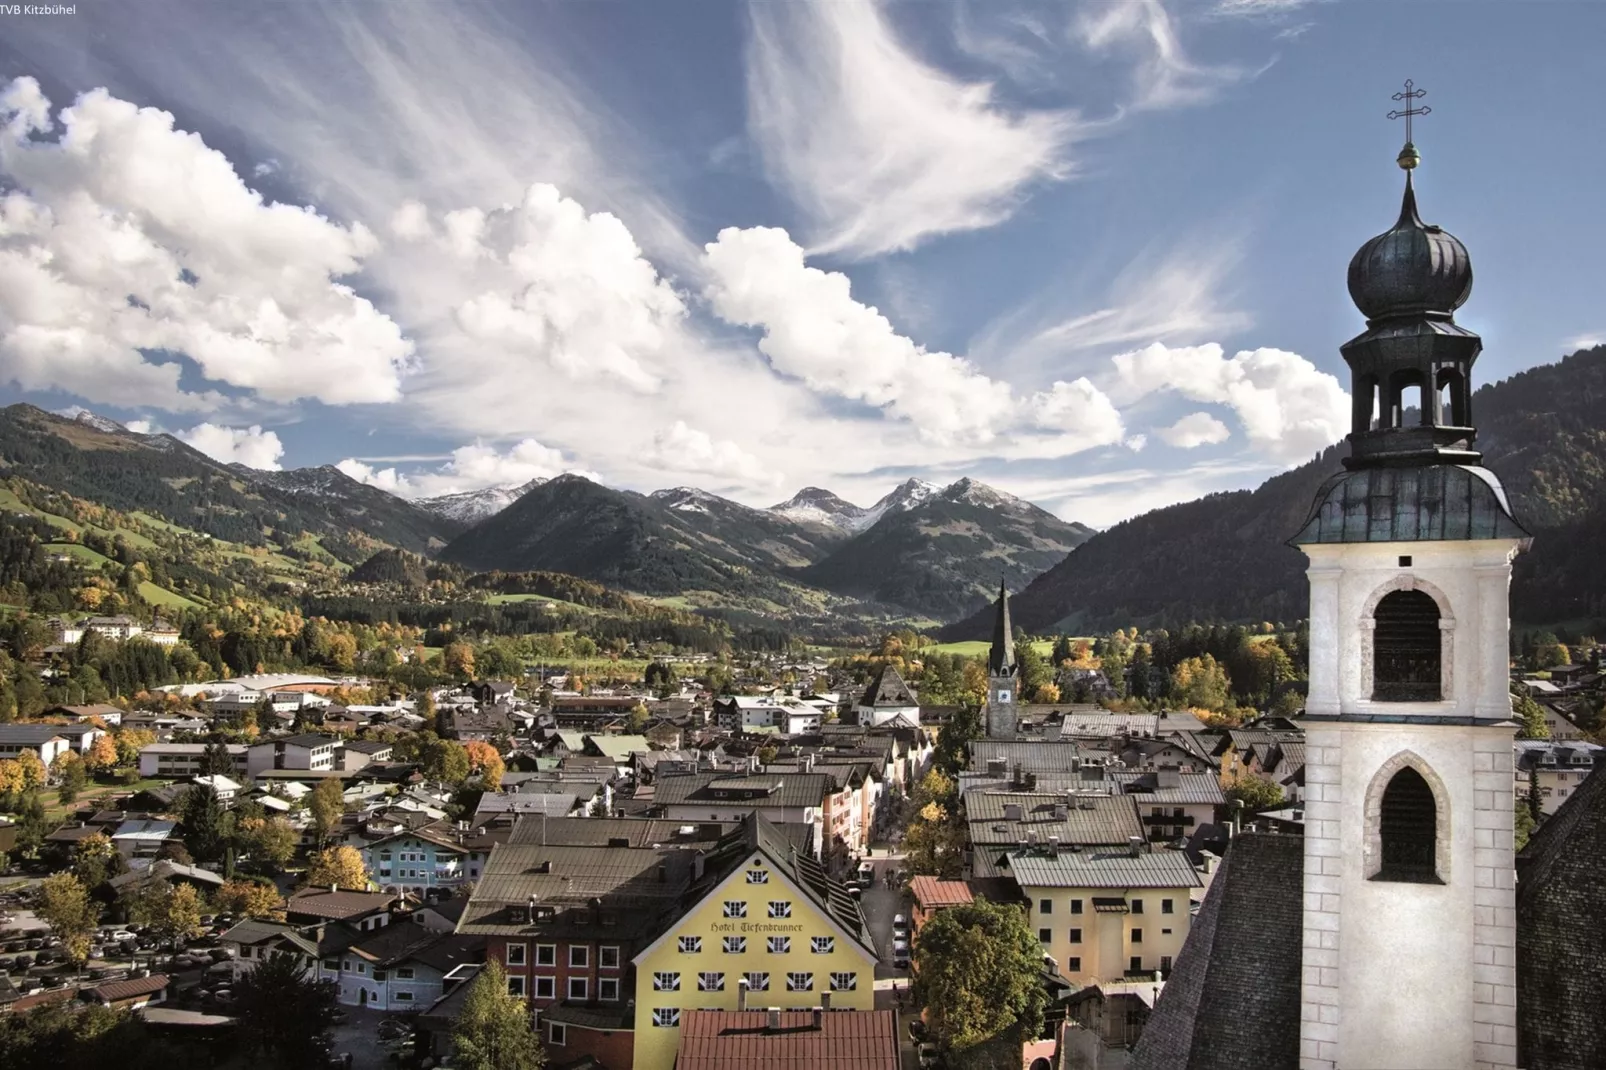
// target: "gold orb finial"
[[1408, 157]]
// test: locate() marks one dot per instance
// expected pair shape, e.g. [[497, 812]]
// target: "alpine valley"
[[923, 555]]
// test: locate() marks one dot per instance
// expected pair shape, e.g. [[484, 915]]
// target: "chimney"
[[741, 993], [773, 1022], [663, 873], [1053, 847], [817, 1014], [825, 1001], [1134, 845], [1019, 777], [335, 887]]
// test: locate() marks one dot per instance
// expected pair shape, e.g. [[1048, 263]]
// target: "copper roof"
[[803, 1040]]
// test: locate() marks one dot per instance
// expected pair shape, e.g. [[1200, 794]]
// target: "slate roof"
[[1410, 503], [829, 1040], [1163, 786], [1033, 757], [602, 831], [888, 689], [1561, 895], [759, 789], [828, 893], [253, 931], [1102, 868], [633, 890], [30, 735], [1088, 819], [1232, 1000]]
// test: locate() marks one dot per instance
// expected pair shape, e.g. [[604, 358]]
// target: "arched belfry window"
[[1407, 651], [1408, 830]]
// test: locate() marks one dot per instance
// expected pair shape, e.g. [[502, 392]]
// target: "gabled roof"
[[888, 689], [30, 735], [801, 1040], [336, 904], [132, 988], [253, 932], [932, 893], [756, 789], [1164, 786]]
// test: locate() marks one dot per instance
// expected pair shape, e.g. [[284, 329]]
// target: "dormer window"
[[1407, 648]]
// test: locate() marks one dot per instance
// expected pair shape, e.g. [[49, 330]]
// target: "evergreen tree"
[[284, 1015], [204, 824]]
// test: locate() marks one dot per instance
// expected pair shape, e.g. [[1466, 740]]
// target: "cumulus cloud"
[[1164, 75], [1287, 406], [879, 148], [126, 236], [471, 467], [682, 448], [1194, 430], [544, 280], [250, 446], [816, 331]]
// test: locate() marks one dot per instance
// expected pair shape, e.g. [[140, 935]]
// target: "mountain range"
[[1224, 557], [923, 552], [916, 553]]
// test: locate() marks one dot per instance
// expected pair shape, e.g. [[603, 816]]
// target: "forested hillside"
[[1224, 557]]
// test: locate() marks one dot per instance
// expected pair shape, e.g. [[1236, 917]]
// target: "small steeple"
[[1001, 658]]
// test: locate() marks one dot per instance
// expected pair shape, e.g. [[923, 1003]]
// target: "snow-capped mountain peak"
[[93, 419], [472, 506], [815, 505], [685, 499], [969, 490]]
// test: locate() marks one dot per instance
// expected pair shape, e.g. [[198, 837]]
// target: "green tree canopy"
[[204, 824], [979, 973], [1256, 792], [493, 1030]]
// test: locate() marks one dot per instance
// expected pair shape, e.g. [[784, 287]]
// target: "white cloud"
[[880, 149], [471, 467], [1194, 430], [1288, 407], [250, 446], [685, 449], [816, 331], [1164, 76], [539, 280], [1259, 8], [127, 235], [1587, 340], [141, 427]]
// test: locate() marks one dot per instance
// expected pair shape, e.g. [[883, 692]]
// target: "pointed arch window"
[[1407, 649], [1408, 830]]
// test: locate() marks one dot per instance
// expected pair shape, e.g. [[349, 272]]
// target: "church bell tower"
[[1409, 905], [1003, 675]]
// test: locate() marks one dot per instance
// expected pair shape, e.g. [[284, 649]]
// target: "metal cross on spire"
[[1409, 157]]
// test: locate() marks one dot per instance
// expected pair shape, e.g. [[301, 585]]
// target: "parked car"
[[927, 1053], [900, 924], [123, 936]]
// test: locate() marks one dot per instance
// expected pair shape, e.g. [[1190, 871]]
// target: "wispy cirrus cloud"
[[880, 149], [1163, 74]]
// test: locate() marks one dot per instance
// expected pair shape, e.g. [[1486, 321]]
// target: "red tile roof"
[[805, 1040], [932, 893]]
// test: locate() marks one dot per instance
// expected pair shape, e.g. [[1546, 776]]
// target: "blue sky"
[[1091, 254]]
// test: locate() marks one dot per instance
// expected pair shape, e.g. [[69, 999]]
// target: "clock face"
[[1003, 696]]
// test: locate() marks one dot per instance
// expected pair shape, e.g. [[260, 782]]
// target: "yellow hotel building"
[[776, 932]]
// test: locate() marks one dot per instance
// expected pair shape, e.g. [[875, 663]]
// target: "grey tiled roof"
[[1561, 895], [762, 789], [1033, 757], [1103, 867], [1232, 1002], [1165, 786], [1088, 819]]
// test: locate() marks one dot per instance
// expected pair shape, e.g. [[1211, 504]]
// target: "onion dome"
[[1414, 268]]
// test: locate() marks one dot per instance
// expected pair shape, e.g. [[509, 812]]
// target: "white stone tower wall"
[[1401, 975]]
